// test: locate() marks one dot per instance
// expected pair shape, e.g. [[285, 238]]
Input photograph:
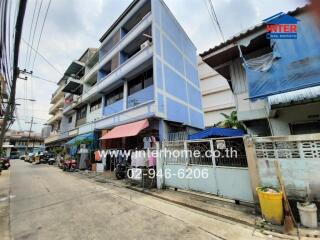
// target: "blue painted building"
[[145, 68], [276, 82]]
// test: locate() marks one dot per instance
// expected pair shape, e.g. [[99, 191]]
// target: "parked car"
[[14, 155], [22, 157]]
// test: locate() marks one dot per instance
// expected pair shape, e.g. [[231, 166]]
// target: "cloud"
[[74, 25]]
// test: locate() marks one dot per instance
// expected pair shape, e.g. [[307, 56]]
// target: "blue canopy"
[[88, 136], [215, 131]]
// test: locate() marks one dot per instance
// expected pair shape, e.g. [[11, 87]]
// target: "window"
[[114, 96], [82, 112], [95, 105], [70, 119], [140, 82], [304, 127]]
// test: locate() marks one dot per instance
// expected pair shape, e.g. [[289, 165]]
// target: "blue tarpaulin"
[[298, 66], [73, 149], [216, 132]]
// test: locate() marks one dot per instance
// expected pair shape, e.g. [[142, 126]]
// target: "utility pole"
[[11, 102], [31, 123]]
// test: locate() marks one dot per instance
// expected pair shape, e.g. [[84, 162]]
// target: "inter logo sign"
[[281, 26]]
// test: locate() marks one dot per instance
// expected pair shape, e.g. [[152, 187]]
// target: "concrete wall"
[[217, 96], [294, 114], [178, 96], [299, 161], [65, 125]]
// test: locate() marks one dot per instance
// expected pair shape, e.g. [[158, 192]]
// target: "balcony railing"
[[140, 97], [113, 108], [81, 121], [56, 106], [57, 94], [56, 117], [54, 136], [145, 21]]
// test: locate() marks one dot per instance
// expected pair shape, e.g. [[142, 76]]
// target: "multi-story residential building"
[[61, 121], [52, 131], [144, 74], [276, 82], [20, 140], [217, 96]]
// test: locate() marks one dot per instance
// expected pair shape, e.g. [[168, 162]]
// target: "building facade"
[[144, 70], [281, 99], [22, 141], [217, 96]]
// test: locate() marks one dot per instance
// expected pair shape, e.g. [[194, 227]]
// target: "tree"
[[231, 121]]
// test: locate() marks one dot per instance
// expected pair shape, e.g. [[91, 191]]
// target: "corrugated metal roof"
[[249, 31], [301, 96]]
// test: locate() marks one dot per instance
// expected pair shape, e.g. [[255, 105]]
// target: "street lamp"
[[28, 99]]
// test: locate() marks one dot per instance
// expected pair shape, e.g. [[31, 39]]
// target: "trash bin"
[[308, 215], [271, 206]]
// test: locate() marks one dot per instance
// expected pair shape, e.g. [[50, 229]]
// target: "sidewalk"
[[4, 204]]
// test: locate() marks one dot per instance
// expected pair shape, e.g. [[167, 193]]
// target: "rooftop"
[[248, 32]]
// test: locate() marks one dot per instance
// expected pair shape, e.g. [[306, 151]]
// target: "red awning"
[[126, 130]]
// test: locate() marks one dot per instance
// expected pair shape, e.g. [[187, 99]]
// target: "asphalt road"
[[47, 203]]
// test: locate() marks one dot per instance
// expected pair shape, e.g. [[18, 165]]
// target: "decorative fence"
[[299, 159], [207, 165]]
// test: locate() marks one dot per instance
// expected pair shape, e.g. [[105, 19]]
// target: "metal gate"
[[205, 166]]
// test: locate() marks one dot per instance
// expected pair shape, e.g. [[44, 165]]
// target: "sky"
[[72, 26]]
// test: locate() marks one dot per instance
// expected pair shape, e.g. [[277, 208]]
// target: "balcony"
[[133, 64], [140, 97], [73, 86], [113, 108], [54, 136], [57, 94], [54, 108], [74, 101], [81, 121], [136, 31], [54, 118]]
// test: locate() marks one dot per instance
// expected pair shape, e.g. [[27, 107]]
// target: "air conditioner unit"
[[145, 44]]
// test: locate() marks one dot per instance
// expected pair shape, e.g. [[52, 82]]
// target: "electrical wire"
[[216, 19], [43, 57], [44, 21], [34, 31], [30, 33]]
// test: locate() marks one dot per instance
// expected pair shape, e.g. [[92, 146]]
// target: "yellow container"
[[271, 206]]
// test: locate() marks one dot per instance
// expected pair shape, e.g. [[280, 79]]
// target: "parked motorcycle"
[[49, 158], [5, 163], [69, 165], [60, 161], [121, 170]]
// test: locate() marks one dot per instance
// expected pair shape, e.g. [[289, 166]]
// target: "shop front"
[[129, 145]]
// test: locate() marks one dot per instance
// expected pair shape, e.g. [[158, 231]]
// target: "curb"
[[193, 207]]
